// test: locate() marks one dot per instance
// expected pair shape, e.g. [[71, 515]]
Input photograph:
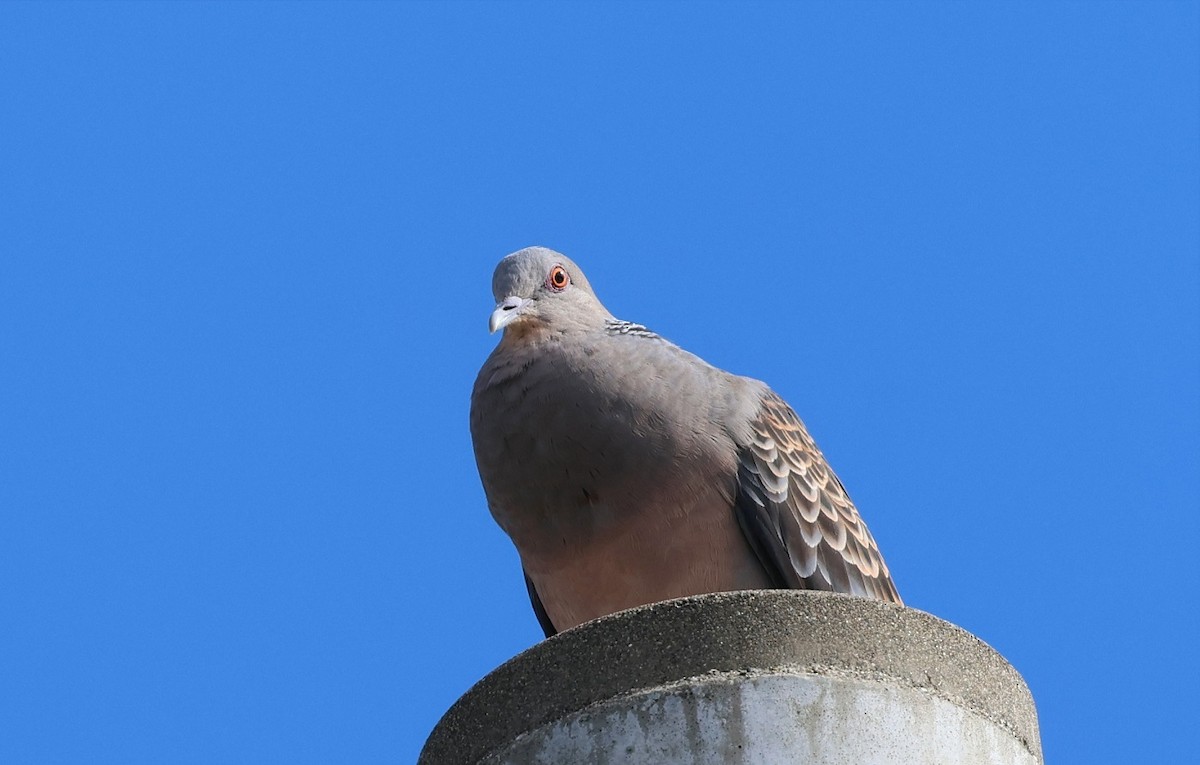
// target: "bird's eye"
[[558, 279]]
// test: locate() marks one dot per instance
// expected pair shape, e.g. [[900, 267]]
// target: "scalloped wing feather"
[[797, 516]]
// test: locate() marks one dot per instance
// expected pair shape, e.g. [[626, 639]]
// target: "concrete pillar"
[[773, 676]]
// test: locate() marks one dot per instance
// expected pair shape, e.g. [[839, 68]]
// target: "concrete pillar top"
[[753, 632]]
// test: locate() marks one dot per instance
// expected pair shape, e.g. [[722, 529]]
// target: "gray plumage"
[[627, 470]]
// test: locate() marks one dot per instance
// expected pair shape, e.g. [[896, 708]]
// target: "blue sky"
[[245, 262]]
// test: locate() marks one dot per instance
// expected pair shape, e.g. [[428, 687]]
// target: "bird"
[[628, 471]]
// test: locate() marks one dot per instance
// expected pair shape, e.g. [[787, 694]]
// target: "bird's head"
[[540, 287]]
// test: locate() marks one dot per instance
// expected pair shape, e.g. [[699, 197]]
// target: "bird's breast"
[[570, 448]]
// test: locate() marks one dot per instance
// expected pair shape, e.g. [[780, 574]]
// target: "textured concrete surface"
[[806, 718], [772, 667]]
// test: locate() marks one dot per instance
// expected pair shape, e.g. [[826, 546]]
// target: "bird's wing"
[[796, 514], [538, 609]]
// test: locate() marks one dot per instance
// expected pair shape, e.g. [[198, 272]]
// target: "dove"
[[628, 471]]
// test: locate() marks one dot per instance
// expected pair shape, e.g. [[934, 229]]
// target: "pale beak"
[[506, 310]]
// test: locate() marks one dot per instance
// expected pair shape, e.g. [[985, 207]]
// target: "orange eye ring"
[[558, 279]]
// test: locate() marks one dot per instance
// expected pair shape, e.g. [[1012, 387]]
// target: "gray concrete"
[[755, 677]]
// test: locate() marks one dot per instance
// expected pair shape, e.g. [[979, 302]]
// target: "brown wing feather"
[[797, 516]]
